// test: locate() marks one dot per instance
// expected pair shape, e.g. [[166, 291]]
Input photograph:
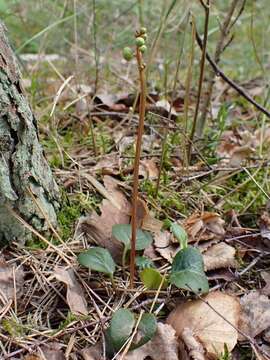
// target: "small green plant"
[[98, 259], [152, 279], [180, 234], [187, 270], [121, 328], [123, 233], [140, 38]]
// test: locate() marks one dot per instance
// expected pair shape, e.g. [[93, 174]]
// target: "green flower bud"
[[144, 36], [143, 48], [127, 53], [143, 30], [140, 41]]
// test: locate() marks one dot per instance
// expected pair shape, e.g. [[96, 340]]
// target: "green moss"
[[67, 216], [13, 327]]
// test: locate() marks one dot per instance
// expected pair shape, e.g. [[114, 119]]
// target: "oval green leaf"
[[98, 259], [122, 232], [180, 233], [147, 328], [188, 272], [120, 329], [152, 279]]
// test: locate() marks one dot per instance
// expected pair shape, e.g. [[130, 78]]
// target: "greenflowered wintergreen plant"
[[152, 279], [180, 234], [121, 328], [98, 259], [140, 49], [187, 270], [187, 267], [123, 232]]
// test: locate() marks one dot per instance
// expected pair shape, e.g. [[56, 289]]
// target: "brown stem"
[[224, 31], [202, 65], [164, 142], [187, 91], [141, 69]]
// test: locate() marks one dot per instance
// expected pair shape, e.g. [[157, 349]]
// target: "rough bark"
[[22, 162]]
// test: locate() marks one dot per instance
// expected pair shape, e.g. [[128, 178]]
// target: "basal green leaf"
[[180, 233], [144, 262], [147, 328], [98, 259], [122, 232], [188, 272], [120, 329], [152, 279]]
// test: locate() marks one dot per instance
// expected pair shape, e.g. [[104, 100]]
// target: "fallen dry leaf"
[[163, 346], [164, 246], [266, 277], [93, 352], [255, 315], [264, 224], [219, 256], [9, 276], [195, 348], [204, 226], [148, 142], [236, 146], [221, 274], [206, 325], [108, 165], [51, 352], [115, 209], [75, 297], [163, 108], [148, 169], [145, 220]]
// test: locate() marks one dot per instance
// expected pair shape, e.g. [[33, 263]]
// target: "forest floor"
[[84, 95]]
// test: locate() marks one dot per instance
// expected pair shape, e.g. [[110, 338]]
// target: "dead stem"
[[164, 141], [224, 31], [141, 68], [202, 66]]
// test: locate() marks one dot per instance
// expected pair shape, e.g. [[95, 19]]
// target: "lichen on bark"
[[23, 167]]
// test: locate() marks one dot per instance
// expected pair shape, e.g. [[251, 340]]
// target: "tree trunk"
[[23, 167]]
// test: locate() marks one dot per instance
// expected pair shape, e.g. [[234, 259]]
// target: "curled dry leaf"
[[9, 276], [255, 315], [195, 348], [219, 256], [75, 297], [209, 326], [204, 226], [145, 220], [115, 209], [236, 146], [163, 346], [164, 247], [148, 169]]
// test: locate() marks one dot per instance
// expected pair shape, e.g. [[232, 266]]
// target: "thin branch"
[[225, 27], [234, 85]]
